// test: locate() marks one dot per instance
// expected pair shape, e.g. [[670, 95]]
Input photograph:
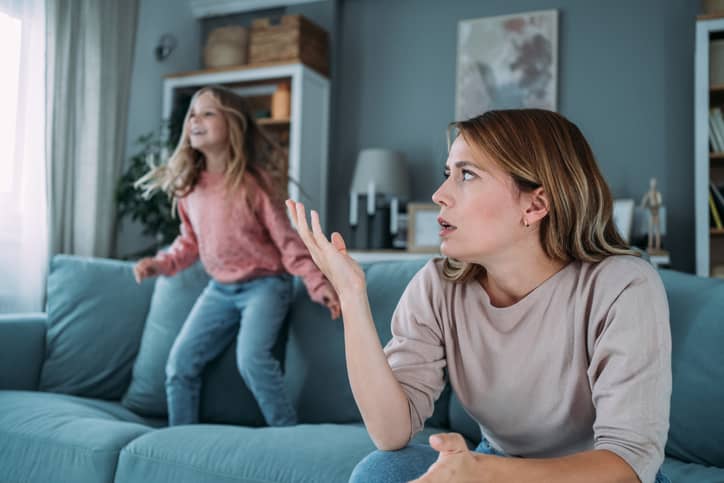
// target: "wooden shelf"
[[234, 68], [717, 231], [716, 155], [710, 16], [267, 121], [716, 88]]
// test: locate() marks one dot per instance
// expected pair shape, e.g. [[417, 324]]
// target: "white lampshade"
[[386, 169]]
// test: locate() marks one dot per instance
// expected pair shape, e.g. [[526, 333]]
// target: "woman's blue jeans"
[[253, 312], [411, 462]]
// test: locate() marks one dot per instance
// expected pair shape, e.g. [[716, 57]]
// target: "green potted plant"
[[153, 213]]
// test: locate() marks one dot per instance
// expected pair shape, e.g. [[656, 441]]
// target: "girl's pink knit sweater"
[[238, 240]]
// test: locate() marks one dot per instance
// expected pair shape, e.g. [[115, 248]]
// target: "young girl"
[[554, 337], [228, 181]]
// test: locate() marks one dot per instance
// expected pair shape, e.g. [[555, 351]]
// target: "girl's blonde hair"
[[251, 150], [540, 148]]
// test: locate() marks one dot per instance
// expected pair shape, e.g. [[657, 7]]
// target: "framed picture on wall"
[[422, 228], [507, 62]]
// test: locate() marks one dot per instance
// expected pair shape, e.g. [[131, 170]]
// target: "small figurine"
[[653, 201]]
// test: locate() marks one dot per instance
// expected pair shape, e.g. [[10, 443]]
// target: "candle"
[[393, 215], [352, 208], [371, 198]]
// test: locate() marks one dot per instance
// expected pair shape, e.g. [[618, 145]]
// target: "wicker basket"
[[290, 38], [226, 46]]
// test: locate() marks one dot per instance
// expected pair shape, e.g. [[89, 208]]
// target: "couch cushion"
[[171, 302], [224, 396], [96, 312], [203, 453], [54, 437], [697, 332], [316, 371], [680, 472]]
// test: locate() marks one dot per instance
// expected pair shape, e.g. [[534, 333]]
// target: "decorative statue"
[[653, 201]]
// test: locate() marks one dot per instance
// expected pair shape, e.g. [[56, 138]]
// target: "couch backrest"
[[696, 306], [310, 348], [315, 365]]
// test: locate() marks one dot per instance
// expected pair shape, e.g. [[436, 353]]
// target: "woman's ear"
[[538, 205]]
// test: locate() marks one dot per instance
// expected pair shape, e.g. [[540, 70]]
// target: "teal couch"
[[81, 386]]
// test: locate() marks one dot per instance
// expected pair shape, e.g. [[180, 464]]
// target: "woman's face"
[[206, 126], [481, 209]]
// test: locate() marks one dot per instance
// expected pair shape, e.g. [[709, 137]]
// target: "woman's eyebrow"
[[465, 164]]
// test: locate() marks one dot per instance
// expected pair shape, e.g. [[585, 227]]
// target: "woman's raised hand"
[[345, 275]]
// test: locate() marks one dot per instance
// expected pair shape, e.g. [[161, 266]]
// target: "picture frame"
[[507, 62], [623, 215], [422, 228]]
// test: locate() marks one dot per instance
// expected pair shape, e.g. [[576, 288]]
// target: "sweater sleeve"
[[630, 375], [184, 250], [416, 352], [294, 255]]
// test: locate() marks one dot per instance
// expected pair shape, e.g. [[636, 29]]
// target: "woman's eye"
[[446, 174], [467, 175]]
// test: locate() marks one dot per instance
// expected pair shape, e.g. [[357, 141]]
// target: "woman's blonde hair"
[[540, 148], [250, 150]]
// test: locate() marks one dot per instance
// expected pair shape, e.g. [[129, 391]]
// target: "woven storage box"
[[292, 38]]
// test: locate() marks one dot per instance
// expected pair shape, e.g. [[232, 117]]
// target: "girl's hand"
[[455, 462], [146, 267], [331, 301], [345, 275]]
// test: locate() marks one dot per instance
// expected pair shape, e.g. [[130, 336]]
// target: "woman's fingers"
[[339, 243], [317, 228], [303, 227]]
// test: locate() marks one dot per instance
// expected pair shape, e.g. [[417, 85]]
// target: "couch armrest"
[[22, 350]]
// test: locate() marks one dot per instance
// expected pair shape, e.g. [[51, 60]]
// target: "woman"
[[555, 337]]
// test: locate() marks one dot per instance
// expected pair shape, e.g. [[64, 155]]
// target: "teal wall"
[[626, 73]]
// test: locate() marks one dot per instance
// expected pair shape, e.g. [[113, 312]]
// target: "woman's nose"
[[440, 197]]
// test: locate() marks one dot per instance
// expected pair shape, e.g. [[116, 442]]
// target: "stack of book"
[[716, 205], [716, 130]]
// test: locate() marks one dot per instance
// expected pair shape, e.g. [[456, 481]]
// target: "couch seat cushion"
[[680, 472], [211, 453], [54, 437]]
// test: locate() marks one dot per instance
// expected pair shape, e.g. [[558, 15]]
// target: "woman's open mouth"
[[446, 228]]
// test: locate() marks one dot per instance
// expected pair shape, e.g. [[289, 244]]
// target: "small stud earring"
[[525, 222]]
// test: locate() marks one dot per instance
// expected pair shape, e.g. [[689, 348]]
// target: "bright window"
[[10, 60]]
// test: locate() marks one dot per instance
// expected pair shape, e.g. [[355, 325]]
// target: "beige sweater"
[[582, 362]]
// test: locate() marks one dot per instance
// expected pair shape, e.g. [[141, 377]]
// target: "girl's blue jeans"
[[253, 312], [411, 462]]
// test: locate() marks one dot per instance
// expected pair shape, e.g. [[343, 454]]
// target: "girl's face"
[[206, 126], [481, 209]]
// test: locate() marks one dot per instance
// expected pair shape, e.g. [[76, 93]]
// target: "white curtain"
[[90, 57], [23, 216]]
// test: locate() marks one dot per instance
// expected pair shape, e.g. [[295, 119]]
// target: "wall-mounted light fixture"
[[166, 45]]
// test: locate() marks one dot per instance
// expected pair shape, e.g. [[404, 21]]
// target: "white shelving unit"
[[308, 123], [708, 166]]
